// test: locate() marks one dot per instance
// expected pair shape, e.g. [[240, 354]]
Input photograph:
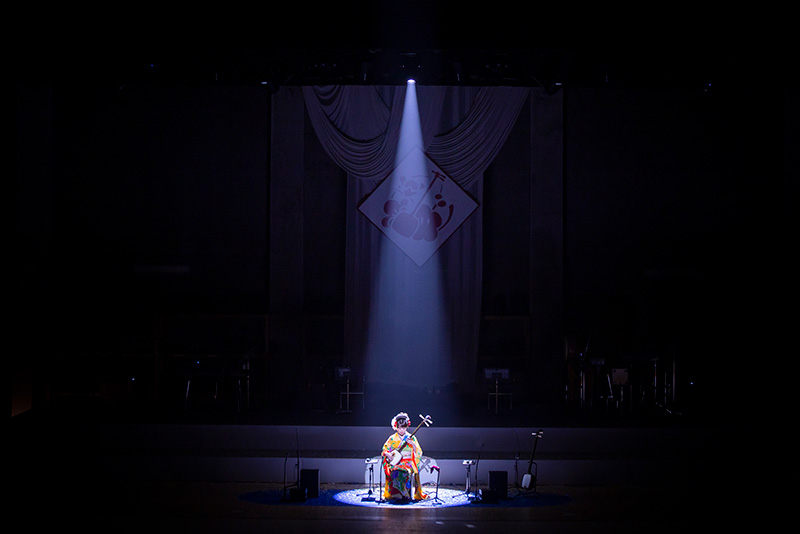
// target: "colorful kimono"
[[400, 476]]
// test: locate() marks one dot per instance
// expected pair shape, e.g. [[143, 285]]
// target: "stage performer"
[[400, 475]]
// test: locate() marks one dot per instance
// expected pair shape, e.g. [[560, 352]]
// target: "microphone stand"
[[475, 496], [381, 474], [438, 474], [297, 473], [516, 464]]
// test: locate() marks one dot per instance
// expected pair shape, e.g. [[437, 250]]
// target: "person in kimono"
[[401, 457]]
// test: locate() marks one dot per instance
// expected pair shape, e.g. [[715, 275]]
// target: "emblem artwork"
[[418, 207]]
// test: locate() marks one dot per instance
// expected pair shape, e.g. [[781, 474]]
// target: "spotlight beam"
[[407, 326]]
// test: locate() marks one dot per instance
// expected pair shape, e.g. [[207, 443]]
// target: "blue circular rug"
[[445, 497]]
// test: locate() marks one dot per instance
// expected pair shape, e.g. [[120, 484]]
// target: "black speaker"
[[498, 483], [309, 481]]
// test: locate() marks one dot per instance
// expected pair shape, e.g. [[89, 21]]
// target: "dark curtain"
[[404, 322]]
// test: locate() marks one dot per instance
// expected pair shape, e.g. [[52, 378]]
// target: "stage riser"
[[264, 454], [348, 470], [318, 441]]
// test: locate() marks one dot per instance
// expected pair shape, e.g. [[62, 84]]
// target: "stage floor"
[[197, 474], [249, 507]]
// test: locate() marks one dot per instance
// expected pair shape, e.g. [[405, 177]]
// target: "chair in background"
[[237, 370], [349, 388], [221, 374], [500, 380], [203, 371]]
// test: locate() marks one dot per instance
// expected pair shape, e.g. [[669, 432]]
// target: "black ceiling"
[[279, 66], [385, 45]]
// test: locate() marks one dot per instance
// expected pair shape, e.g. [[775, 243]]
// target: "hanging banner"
[[418, 206]]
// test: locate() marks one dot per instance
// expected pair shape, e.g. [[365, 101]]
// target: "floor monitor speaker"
[[498, 483], [309, 481]]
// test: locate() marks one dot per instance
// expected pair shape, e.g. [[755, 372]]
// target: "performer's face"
[[401, 426]]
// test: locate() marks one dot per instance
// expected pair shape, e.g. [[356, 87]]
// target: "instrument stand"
[[531, 477], [534, 479]]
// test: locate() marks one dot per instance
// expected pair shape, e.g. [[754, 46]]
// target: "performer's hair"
[[401, 419]]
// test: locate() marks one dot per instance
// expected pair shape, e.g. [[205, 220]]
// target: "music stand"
[[371, 463], [468, 464]]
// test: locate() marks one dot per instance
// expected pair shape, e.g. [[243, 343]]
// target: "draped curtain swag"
[[463, 129]]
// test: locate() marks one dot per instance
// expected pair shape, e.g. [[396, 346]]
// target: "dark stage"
[[235, 264], [234, 475]]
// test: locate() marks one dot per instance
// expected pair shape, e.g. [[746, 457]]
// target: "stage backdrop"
[[406, 321]]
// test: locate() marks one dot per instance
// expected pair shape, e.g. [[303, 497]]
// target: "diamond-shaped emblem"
[[418, 206]]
